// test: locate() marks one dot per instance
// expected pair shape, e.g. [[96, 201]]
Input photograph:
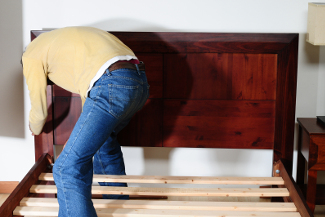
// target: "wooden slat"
[[185, 205], [219, 192], [181, 179], [53, 211]]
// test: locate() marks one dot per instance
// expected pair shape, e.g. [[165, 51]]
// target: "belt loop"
[[108, 72], [138, 70]]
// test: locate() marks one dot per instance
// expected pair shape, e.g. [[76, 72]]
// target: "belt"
[[125, 65]]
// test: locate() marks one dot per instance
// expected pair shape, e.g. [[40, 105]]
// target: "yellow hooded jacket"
[[70, 57]]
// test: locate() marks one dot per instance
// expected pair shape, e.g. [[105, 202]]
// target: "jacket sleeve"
[[36, 80]]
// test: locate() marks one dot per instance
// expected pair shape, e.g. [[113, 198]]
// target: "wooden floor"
[[3, 197], [319, 211]]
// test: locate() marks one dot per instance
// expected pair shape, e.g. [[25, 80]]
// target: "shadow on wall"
[[11, 82], [128, 25]]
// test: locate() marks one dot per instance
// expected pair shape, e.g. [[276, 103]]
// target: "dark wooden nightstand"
[[311, 149]]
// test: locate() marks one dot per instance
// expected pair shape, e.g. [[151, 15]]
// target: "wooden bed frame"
[[208, 90]]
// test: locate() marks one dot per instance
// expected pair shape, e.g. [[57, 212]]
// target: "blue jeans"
[[92, 146]]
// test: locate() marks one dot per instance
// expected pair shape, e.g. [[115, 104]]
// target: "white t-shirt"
[[105, 66]]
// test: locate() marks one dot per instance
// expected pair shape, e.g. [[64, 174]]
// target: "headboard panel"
[[215, 90]]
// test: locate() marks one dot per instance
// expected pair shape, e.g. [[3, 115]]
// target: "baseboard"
[[6, 187]]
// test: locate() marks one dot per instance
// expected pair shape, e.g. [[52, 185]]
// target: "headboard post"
[[286, 104]]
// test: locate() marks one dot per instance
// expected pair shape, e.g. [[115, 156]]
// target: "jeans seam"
[[101, 164], [63, 188], [92, 107], [65, 157], [64, 192], [123, 77], [138, 101]]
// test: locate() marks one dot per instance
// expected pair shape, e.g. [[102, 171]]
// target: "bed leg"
[[311, 186]]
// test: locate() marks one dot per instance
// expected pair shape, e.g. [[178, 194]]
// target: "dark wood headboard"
[[208, 90]]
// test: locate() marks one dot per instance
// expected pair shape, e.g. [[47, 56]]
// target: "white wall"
[[16, 150], [168, 15]]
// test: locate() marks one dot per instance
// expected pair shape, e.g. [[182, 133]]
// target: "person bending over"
[[112, 85]]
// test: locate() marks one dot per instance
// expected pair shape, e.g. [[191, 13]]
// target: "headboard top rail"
[[184, 42]]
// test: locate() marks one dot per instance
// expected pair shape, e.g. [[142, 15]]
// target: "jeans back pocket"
[[122, 99]]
